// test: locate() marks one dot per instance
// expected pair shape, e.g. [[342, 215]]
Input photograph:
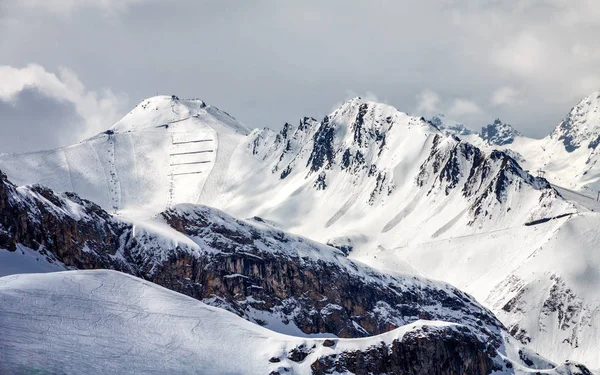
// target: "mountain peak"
[[449, 127], [162, 110], [499, 133], [581, 126]]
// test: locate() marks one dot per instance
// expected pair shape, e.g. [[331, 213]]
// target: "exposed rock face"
[[75, 230], [260, 272], [418, 352], [351, 140], [581, 126], [489, 181], [250, 269], [499, 133], [317, 288]]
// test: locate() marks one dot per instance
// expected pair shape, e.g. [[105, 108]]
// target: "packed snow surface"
[[98, 322], [107, 322]]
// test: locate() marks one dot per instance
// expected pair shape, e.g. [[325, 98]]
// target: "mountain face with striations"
[[499, 133], [367, 184], [276, 280], [160, 153]]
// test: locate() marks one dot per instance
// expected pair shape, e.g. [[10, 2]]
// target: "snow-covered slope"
[[542, 280], [283, 281], [385, 187], [569, 155], [165, 151], [368, 172], [107, 322]]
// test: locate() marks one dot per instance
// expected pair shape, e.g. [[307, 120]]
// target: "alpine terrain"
[[368, 241]]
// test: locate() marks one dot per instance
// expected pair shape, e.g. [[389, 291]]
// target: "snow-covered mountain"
[[165, 151], [391, 190], [581, 126], [282, 281], [499, 133], [569, 155], [369, 169], [108, 322]]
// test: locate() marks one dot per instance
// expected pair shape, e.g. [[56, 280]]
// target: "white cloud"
[[586, 53], [98, 110], [464, 107], [428, 103], [524, 55], [506, 96]]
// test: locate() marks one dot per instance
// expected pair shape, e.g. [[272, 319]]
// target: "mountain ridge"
[[468, 338], [367, 179]]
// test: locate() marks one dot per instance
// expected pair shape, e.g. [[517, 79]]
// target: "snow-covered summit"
[[499, 133], [161, 153], [163, 110], [581, 126]]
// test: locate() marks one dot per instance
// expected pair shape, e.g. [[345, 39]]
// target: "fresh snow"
[[161, 153], [401, 218], [107, 322]]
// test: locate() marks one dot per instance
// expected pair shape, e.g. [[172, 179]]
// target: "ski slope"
[[102, 321], [165, 151]]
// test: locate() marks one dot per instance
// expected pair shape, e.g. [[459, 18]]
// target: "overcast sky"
[[70, 68]]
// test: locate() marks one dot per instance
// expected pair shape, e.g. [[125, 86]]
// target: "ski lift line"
[[191, 152], [193, 162], [179, 174], [198, 141]]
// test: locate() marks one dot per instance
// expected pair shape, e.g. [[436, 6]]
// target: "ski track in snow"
[[68, 167], [103, 165], [135, 167]]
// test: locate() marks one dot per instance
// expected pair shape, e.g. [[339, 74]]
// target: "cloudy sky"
[[71, 68]]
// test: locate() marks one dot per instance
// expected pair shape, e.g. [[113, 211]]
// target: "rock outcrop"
[[251, 269]]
